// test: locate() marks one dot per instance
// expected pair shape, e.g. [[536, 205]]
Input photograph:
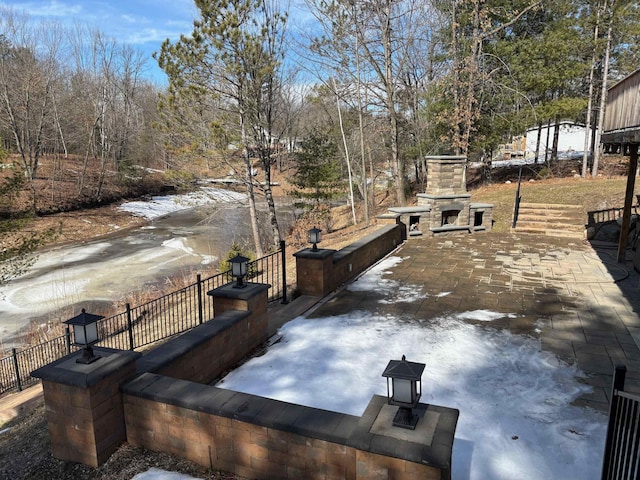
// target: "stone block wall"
[[205, 352], [487, 214], [169, 406], [223, 342], [354, 259], [262, 438], [446, 175], [321, 272], [242, 448], [314, 272]]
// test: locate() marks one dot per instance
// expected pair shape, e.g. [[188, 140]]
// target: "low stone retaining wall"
[[320, 272], [261, 438], [162, 401], [206, 352]]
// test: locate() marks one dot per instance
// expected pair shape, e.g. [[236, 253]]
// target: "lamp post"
[[404, 388], [239, 270], [85, 334], [315, 236]]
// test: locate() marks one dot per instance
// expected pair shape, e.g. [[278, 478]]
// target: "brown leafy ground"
[[24, 442]]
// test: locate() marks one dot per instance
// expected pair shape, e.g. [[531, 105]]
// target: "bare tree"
[[28, 69]]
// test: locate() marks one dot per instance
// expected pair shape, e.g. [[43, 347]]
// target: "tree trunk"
[[346, 152], [603, 94], [538, 138], [396, 162], [271, 204], [253, 213], [556, 138], [546, 146], [587, 122], [365, 186]]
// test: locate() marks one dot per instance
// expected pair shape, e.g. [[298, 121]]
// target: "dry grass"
[[591, 194]]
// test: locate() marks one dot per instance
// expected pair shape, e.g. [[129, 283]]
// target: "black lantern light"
[[315, 236], [404, 388], [85, 334], [239, 266]]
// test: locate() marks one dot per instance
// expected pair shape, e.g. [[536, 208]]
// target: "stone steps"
[[554, 220]]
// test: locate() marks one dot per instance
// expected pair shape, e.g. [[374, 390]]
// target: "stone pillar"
[[386, 452], [446, 175], [84, 405], [314, 272], [252, 298]]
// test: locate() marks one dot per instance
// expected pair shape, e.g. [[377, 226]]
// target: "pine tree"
[[232, 59], [318, 177]]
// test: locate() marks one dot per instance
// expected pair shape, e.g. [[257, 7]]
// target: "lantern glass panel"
[[92, 333], [315, 235], [239, 266], [235, 269], [79, 334], [402, 390]]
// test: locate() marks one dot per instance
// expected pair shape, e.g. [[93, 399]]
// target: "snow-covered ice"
[[106, 270], [164, 204]]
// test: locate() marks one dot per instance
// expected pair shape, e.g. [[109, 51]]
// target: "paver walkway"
[[577, 300]]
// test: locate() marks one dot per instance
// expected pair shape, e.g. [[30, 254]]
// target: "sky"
[[143, 24]]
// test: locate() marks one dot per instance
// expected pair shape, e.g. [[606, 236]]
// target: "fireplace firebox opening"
[[450, 217], [414, 223]]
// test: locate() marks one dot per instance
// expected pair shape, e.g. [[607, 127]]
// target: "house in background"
[[523, 147]]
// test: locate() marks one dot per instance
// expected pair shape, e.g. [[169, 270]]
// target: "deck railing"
[[622, 447], [145, 324]]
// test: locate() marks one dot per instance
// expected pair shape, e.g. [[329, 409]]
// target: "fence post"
[[67, 337], [618, 385], [15, 365], [283, 253], [130, 328], [516, 207], [200, 312]]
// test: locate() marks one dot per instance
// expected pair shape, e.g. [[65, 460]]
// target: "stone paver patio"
[[580, 303]]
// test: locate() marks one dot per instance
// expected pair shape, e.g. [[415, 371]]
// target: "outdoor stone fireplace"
[[445, 206]]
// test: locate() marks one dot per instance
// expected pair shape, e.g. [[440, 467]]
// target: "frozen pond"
[[187, 241]]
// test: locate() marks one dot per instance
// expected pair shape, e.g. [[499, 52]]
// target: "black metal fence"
[[622, 447], [144, 324]]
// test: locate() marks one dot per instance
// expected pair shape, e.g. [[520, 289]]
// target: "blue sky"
[[143, 24]]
